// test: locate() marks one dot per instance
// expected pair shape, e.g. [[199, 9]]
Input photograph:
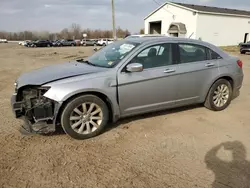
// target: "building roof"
[[215, 9], [206, 9]]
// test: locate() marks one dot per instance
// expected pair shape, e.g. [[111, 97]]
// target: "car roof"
[[165, 39], [149, 40]]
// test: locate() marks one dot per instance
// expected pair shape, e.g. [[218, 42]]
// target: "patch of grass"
[[230, 48]]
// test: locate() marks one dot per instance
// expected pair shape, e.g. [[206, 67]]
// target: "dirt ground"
[[184, 148]]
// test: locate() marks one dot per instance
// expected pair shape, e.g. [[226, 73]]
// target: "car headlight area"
[[37, 111]]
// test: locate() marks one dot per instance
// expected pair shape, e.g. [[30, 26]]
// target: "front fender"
[[62, 91]]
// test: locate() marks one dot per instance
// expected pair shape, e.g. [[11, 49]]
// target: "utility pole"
[[113, 19]]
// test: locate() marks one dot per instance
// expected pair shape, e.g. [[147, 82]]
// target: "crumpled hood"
[[56, 72]]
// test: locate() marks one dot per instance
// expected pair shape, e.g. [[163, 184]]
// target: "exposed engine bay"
[[37, 110]]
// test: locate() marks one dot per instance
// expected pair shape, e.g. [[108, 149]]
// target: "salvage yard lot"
[[174, 148]]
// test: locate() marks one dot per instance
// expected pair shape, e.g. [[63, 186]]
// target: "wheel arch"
[[226, 77], [102, 96]]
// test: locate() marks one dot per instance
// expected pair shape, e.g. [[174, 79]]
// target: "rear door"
[[153, 88], [196, 71]]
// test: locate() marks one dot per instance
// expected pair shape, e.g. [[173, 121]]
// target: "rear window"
[[213, 55], [192, 53]]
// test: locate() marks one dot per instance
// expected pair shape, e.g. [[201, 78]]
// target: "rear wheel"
[[48, 45], [85, 117], [219, 96]]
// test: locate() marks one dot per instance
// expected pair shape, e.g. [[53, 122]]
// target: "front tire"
[[219, 96], [85, 117]]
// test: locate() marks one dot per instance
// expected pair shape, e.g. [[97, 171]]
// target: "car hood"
[[56, 72]]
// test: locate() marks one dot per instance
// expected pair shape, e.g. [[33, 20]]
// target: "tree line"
[[73, 32]]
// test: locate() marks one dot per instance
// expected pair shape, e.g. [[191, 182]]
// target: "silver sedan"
[[126, 78]]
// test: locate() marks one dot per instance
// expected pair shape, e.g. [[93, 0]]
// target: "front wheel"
[[219, 96], [85, 117]]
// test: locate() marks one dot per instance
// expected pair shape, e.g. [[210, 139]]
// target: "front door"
[[152, 89], [197, 69]]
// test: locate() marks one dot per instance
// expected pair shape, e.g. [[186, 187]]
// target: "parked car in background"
[[104, 42], [55, 42], [68, 42], [244, 48], [89, 42], [29, 43], [145, 35], [41, 43], [24, 43], [128, 77], [3, 41]]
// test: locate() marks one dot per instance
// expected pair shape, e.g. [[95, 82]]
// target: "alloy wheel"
[[221, 95], [86, 118]]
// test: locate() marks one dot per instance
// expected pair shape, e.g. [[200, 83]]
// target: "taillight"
[[240, 63]]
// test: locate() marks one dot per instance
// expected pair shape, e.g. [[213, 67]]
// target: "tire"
[[83, 124], [72, 45], [243, 52], [211, 99], [48, 45]]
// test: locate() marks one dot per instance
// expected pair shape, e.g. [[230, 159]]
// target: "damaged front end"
[[37, 111]]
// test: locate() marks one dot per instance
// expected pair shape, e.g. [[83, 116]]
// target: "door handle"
[[169, 71], [210, 65]]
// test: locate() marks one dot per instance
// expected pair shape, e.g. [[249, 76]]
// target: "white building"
[[219, 26]]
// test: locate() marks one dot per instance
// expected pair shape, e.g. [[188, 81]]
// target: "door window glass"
[[155, 56], [192, 53]]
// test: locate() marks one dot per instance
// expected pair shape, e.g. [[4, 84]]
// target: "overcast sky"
[[54, 15]]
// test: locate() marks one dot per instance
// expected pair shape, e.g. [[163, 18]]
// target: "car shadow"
[[234, 173], [60, 131], [150, 115]]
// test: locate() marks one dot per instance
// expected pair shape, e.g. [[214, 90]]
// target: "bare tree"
[[74, 31], [65, 34], [141, 31]]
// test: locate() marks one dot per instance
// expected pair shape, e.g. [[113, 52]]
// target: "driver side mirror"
[[134, 67]]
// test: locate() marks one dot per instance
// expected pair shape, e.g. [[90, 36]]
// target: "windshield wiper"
[[86, 61]]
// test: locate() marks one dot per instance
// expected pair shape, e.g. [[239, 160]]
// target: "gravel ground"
[[186, 147]]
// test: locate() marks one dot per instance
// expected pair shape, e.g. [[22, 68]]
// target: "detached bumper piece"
[[36, 111]]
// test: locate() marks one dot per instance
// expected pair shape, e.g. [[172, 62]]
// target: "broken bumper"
[[39, 127]]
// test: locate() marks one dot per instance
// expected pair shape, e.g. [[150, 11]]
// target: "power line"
[[163, 7]]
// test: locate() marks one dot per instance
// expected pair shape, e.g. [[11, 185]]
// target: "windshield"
[[112, 54]]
